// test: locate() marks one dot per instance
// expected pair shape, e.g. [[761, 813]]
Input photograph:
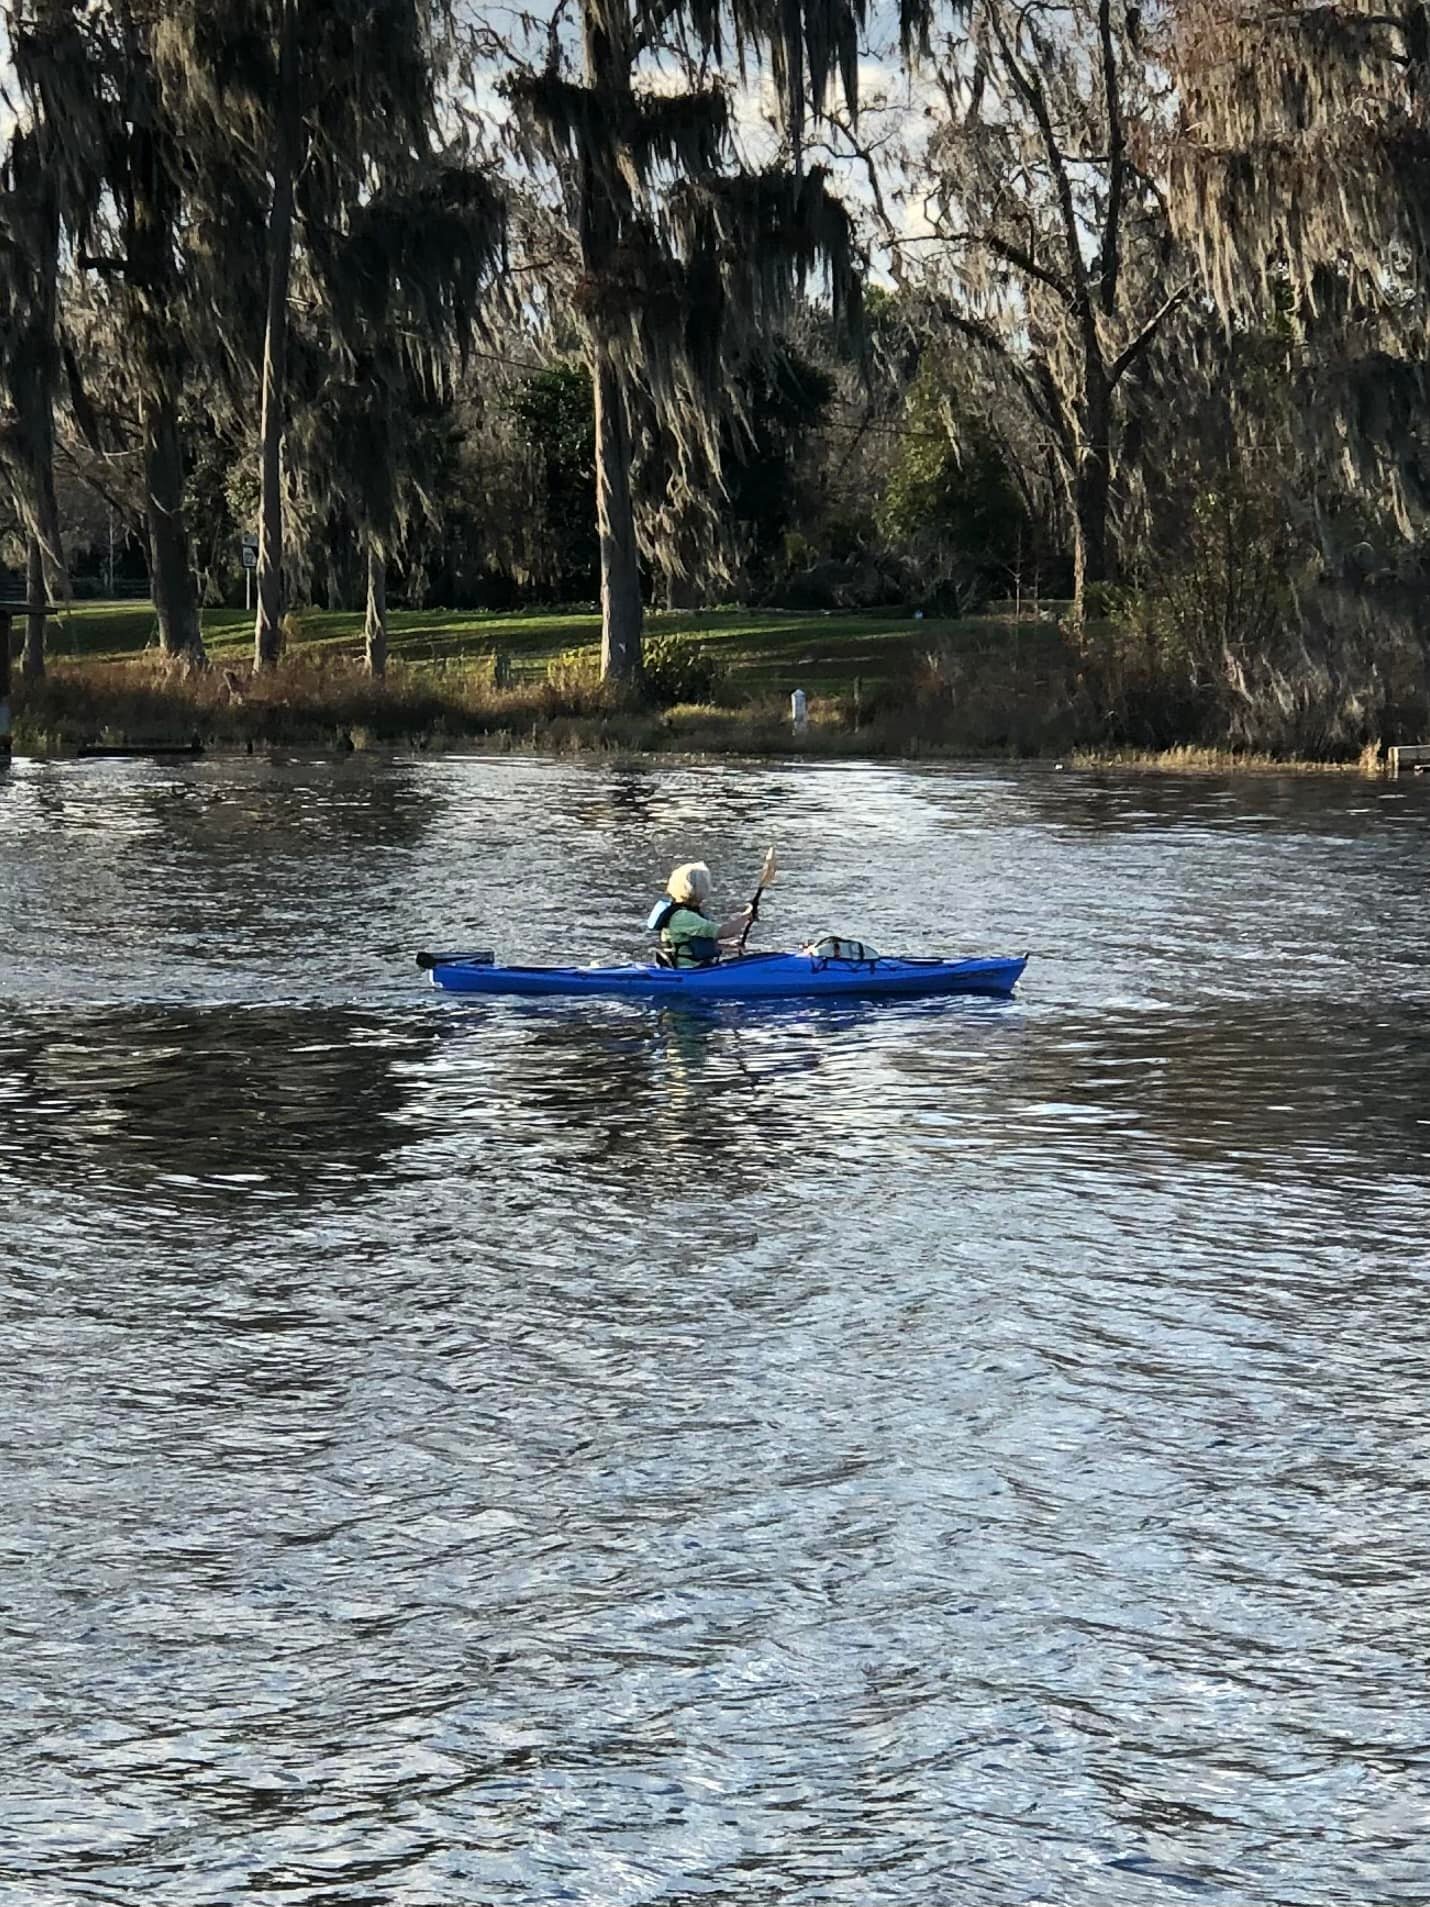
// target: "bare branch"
[[1132, 351], [1036, 101], [1116, 145], [1016, 256], [1039, 390]]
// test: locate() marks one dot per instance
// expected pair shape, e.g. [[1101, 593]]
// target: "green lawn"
[[762, 649]]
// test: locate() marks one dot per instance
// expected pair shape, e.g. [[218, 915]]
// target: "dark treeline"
[[1120, 307]]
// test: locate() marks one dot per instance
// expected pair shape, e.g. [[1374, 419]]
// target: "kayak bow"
[[772, 976]]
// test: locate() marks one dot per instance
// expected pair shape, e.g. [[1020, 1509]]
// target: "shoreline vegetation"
[[281, 301], [878, 685]]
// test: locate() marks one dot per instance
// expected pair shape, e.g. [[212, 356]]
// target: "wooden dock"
[[1412, 760]]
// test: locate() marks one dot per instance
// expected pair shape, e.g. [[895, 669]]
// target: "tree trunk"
[[33, 373], [608, 33], [1091, 498], [375, 628], [621, 614], [1092, 516], [32, 660], [5, 641], [46, 577], [1090, 558], [176, 600], [151, 215], [267, 632]]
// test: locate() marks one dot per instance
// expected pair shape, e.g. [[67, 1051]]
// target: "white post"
[[248, 552], [799, 711]]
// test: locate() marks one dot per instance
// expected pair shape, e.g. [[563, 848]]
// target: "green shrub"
[[574, 672], [1212, 648], [573, 684], [678, 669], [1100, 600]]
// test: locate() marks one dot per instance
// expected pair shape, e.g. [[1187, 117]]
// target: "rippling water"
[[532, 1452]]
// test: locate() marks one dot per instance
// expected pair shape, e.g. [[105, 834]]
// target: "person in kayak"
[[688, 937]]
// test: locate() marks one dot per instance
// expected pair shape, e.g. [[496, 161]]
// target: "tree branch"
[[864, 151], [106, 267], [85, 414], [1041, 394], [1116, 145], [1024, 262], [124, 507], [1130, 353], [657, 19], [1036, 101]]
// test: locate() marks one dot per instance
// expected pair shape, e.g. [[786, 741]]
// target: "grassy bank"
[[877, 685], [761, 650]]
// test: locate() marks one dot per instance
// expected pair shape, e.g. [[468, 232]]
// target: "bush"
[[574, 672], [862, 582], [1213, 648], [573, 684], [1101, 600], [677, 668]]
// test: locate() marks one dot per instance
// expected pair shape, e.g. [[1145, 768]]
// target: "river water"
[[462, 1452]]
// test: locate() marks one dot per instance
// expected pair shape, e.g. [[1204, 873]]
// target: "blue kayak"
[[772, 976]]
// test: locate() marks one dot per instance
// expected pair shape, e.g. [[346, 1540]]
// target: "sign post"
[[249, 554]]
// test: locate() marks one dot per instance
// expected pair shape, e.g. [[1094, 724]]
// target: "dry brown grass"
[[1023, 700], [317, 699], [313, 698], [1225, 761]]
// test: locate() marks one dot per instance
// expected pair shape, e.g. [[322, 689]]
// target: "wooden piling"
[[1413, 760]]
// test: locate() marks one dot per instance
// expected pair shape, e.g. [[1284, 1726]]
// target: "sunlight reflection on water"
[[518, 1451]]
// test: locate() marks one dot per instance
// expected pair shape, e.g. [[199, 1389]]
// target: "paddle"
[[486, 958], [767, 875]]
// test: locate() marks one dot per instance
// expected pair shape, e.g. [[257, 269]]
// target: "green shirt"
[[684, 926]]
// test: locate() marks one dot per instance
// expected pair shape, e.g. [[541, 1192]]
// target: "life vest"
[[690, 950]]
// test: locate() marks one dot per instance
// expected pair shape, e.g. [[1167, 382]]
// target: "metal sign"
[[248, 554]]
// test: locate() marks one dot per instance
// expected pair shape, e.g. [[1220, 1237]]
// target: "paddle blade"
[[767, 874]]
